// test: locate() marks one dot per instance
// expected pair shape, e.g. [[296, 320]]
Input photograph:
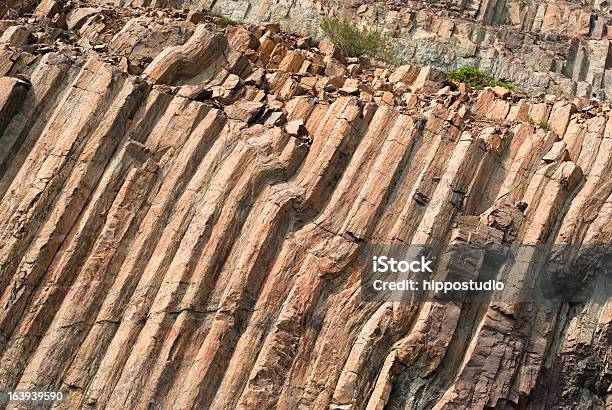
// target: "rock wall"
[[182, 215], [554, 47]]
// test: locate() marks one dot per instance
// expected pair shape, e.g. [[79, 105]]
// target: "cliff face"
[[555, 47], [183, 207]]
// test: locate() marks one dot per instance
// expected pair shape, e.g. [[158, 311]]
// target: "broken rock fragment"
[[15, 36], [296, 128], [245, 111]]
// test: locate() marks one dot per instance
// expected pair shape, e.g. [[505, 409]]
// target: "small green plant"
[[225, 20], [360, 42], [476, 78], [230, 22], [505, 84], [544, 125]]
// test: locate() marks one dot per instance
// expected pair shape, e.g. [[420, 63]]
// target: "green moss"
[[360, 42], [476, 78]]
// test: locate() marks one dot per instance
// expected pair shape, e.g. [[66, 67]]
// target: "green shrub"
[[531, 121], [225, 20], [476, 78], [359, 42], [228, 21], [505, 84], [544, 125]]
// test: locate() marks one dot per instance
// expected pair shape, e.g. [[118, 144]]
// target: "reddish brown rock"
[[245, 111], [292, 62], [195, 16], [242, 39], [197, 237], [15, 36], [188, 59], [47, 9]]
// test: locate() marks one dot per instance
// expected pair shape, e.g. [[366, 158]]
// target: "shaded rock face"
[[181, 222], [555, 47]]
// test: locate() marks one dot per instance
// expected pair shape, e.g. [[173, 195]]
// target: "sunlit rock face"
[[185, 207], [551, 47]]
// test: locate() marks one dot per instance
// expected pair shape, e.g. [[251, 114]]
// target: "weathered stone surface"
[[47, 8], [296, 128], [12, 92], [79, 16], [570, 40], [141, 39], [245, 111], [193, 237], [15, 36], [186, 60], [242, 39]]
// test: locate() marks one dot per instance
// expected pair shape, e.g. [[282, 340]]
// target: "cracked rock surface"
[[184, 203]]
